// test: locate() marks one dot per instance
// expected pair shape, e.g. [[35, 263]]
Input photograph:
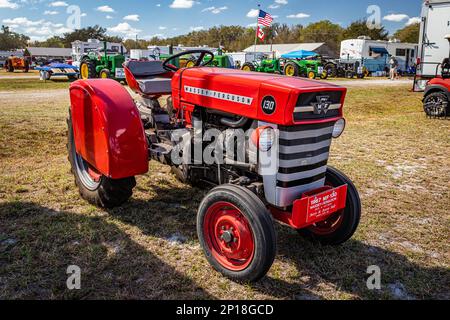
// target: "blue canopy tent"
[[300, 54]]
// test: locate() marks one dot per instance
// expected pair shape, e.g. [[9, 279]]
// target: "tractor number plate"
[[326, 203], [120, 73]]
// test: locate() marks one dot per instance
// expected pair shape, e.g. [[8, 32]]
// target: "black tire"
[[436, 104], [349, 74], [109, 193], [260, 222], [10, 67], [248, 65], [27, 67], [295, 66], [351, 213], [331, 70], [360, 75], [92, 73]]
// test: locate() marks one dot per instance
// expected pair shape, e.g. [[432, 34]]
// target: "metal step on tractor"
[[259, 143]]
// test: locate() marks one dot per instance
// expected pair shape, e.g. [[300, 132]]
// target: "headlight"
[[264, 138], [339, 127]]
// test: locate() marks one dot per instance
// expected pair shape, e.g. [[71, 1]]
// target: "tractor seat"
[[151, 77]]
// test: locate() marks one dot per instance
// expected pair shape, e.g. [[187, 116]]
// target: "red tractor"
[[261, 142], [436, 102]]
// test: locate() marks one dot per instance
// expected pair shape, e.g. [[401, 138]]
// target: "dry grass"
[[397, 157]]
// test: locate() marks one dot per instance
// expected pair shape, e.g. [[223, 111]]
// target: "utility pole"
[[256, 32]]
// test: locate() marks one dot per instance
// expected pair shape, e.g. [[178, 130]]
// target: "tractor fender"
[[437, 88], [107, 127]]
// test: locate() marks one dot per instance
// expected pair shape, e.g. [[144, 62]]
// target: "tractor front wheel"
[[236, 233], [311, 75], [248, 67], [340, 226], [87, 70], [436, 104], [104, 74], [94, 187]]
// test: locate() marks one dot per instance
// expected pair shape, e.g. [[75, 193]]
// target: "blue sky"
[[41, 19]]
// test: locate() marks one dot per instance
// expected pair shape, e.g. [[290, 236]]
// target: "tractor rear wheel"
[[291, 69], [331, 70], [248, 66], [436, 104], [340, 226], [94, 187], [324, 75], [10, 66], [236, 233], [87, 70]]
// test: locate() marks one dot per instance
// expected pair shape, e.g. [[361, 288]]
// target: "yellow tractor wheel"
[[87, 70], [104, 74], [190, 64], [311, 75]]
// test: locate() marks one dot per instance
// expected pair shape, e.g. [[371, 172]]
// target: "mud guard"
[[107, 127]]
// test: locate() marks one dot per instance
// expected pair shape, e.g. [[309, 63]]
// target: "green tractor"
[[311, 69], [220, 60], [103, 64], [263, 64]]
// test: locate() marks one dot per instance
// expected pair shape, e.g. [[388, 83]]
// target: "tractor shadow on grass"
[[37, 244], [344, 268]]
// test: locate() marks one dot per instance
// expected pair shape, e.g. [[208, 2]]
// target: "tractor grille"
[[306, 110], [303, 160]]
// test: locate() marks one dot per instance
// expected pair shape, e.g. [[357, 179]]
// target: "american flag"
[[264, 18]]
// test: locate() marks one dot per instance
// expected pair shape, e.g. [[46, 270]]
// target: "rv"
[[375, 54], [433, 45]]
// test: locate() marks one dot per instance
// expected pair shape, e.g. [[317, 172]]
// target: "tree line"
[[232, 38]]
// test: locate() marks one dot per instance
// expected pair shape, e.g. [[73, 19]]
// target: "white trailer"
[[375, 53], [433, 45]]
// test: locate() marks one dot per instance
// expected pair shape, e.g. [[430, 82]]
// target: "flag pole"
[[257, 20]]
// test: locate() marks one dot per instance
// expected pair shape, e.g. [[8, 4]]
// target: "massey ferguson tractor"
[[259, 142]]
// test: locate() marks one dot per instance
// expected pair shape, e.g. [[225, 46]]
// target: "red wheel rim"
[[329, 225], [228, 236]]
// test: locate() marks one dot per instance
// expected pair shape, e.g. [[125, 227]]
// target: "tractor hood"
[[260, 96]]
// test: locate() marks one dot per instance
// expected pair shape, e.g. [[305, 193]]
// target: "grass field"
[[148, 249]]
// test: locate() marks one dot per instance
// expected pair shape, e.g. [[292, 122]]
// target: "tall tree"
[[360, 28], [11, 40], [323, 31], [409, 33]]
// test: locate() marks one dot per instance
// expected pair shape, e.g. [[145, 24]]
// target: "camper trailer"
[[433, 45], [374, 54]]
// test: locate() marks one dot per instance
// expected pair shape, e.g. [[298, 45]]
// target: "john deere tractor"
[[103, 64], [306, 68], [263, 64], [220, 60]]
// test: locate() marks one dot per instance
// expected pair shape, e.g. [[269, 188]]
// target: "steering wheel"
[[199, 63]]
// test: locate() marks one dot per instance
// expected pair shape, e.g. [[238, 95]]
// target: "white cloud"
[[84, 14], [58, 4], [298, 16], [109, 17], [396, 17], [124, 28], [199, 28], [50, 13], [162, 28], [274, 6], [283, 2], [158, 5], [158, 35], [36, 29], [182, 4], [253, 13], [8, 4], [23, 22], [105, 9], [215, 10], [413, 20], [131, 17]]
